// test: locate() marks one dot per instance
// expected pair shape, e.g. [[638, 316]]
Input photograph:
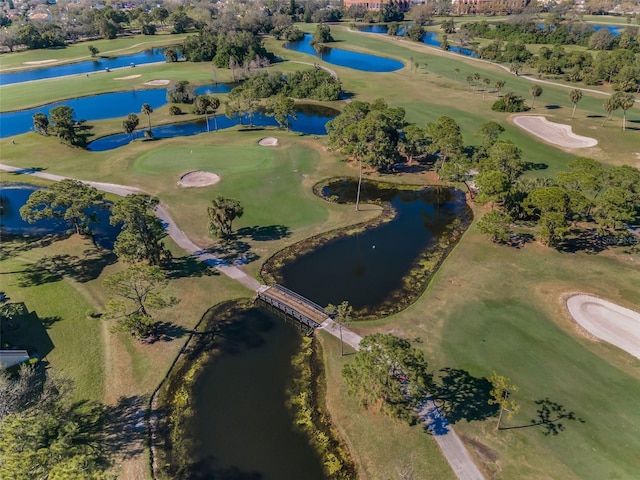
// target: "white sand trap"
[[607, 321], [158, 82], [198, 178], [268, 142], [40, 62], [129, 77], [556, 133]]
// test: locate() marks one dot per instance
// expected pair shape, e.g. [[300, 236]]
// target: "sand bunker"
[[40, 62], [555, 133], [158, 82], [198, 178], [607, 321], [128, 77], [268, 142]]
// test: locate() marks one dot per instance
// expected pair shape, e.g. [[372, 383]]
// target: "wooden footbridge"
[[307, 314]]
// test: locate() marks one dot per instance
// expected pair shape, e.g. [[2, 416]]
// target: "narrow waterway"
[[242, 427]]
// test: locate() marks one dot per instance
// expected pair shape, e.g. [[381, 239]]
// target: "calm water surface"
[[15, 196], [243, 425], [366, 269], [310, 120], [98, 107], [90, 66], [346, 58]]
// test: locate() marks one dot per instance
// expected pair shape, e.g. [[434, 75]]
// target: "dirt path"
[[607, 321], [452, 447]]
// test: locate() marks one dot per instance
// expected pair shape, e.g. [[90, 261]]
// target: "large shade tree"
[[389, 372], [135, 294], [222, 212], [69, 200], [140, 238]]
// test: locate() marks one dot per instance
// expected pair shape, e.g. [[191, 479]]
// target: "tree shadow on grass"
[[12, 245], [264, 233], [169, 331], [189, 267], [125, 426], [550, 416], [233, 251], [461, 396], [81, 269]]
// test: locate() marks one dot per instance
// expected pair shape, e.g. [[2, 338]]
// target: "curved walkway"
[[452, 447]]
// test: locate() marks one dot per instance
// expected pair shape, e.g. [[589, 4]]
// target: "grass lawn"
[[497, 308], [78, 51], [34, 276]]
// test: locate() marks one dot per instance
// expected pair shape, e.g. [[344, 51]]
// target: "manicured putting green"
[[220, 159]]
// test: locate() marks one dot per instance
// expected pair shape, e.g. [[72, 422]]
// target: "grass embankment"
[[497, 308], [77, 52]]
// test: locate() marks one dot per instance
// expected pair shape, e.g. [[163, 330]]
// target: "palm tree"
[[469, 80], [499, 86], [535, 91], [147, 110], [610, 105], [214, 104], [574, 97], [486, 83], [457, 71], [476, 77], [624, 101]]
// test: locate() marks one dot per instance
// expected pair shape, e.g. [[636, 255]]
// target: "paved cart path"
[[452, 447]]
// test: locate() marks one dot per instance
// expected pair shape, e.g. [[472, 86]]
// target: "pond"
[[346, 58], [310, 120], [12, 197], [98, 107], [241, 425], [430, 38], [98, 65], [370, 269]]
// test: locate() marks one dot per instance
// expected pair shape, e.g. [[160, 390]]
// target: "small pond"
[[242, 425], [430, 38], [346, 58], [310, 120], [97, 65], [15, 196], [98, 107], [369, 269]]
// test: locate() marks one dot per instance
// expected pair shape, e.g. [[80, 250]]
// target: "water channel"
[[310, 120], [98, 107], [97, 65], [346, 58], [242, 426], [12, 197]]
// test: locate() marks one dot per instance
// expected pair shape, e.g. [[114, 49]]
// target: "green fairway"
[[511, 319], [76, 52]]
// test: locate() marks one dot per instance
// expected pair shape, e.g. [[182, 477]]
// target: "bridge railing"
[[299, 297]]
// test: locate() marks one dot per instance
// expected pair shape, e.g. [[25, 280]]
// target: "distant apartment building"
[[489, 6], [376, 5]]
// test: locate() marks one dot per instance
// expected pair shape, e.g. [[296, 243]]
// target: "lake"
[[345, 58]]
